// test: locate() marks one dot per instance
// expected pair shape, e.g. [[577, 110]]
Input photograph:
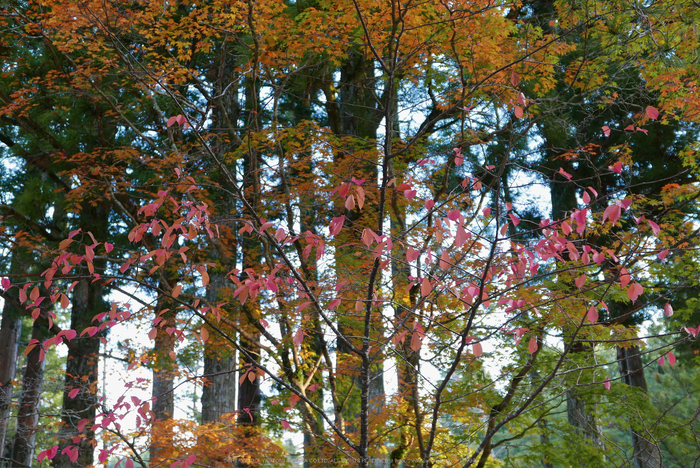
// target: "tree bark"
[[164, 368], [9, 335], [28, 415], [219, 394], [646, 451], [81, 373]]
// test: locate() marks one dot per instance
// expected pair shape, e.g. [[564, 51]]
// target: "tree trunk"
[[164, 368], [81, 373], [28, 415], [219, 394], [646, 452], [9, 334]]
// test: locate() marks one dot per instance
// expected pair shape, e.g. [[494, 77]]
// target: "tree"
[[367, 157]]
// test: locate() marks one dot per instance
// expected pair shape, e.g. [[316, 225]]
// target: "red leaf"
[[592, 314], [624, 278], [652, 112], [617, 167], [486, 211], [415, 342], [176, 290], [521, 99], [514, 219], [662, 254], [410, 194], [514, 78], [284, 424], [662, 360], [412, 254], [654, 227], [429, 204], [634, 291], [671, 359], [518, 112], [668, 310], [606, 130], [606, 384], [580, 281], [129, 463], [612, 213], [444, 260], [425, 287], [73, 393], [298, 337], [478, 350], [350, 203], [6, 284], [171, 121], [564, 173], [532, 347]]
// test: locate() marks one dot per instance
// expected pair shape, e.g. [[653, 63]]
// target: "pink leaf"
[[652, 112], [73, 393], [171, 121], [643, 130], [521, 99], [454, 215], [298, 337], [586, 198], [350, 203], [429, 204], [662, 360], [108, 247], [412, 254], [336, 225], [662, 254], [477, 350], [514, 219], [612, 213], [486, 211], [592, 314], [410, 194], [692, 331], [416, 342], [284, 423], [606, 384], [624, 277], [654, 227], [425, 287], [617, 167], [564, 173], [668, 310], [606, 130], [629, 128], [671, 359], [634, 291], [280, 234], [191, 459], [444, 260], [129, 463], [532, 346], [103, 456], [580, 281], [518, 112]]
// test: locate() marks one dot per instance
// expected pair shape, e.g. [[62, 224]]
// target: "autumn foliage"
[[413, 232]]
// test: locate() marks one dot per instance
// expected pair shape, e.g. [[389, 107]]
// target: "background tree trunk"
[[28, 415], [646, 451]]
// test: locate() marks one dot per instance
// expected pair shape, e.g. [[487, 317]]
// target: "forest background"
[[349, 233]]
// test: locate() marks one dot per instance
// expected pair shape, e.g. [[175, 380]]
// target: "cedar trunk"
[[81, 373], [646, 451], [28, 415]]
